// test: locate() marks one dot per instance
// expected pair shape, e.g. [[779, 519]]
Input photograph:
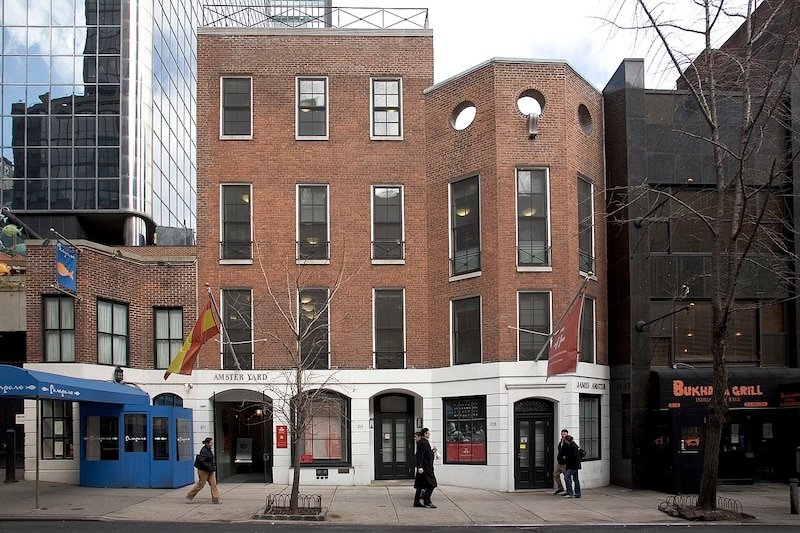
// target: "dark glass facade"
[[98, 116]]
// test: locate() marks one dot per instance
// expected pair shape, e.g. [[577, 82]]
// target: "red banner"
[[564, 342]]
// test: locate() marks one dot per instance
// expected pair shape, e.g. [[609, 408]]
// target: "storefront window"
[[136, 432], [465, 430], [691, 439], [56, 429], [324, 432], [102, 438], [160, 438]]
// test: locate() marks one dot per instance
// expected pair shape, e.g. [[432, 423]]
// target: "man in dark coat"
[[561, 463], [425, 458], [206, 471], [572, 455], [419, 479]]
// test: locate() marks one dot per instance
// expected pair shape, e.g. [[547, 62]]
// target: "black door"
[[394, 445], [533, 444]]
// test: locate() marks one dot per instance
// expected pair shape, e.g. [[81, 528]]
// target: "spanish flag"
[[204, 329]]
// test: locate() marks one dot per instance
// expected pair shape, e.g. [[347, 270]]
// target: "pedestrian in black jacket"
[[572, 456], [206, 471], [425, 458]]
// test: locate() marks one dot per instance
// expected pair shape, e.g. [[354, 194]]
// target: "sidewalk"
[[386, 504]]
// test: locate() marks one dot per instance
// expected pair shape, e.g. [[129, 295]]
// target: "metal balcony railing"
[[300, 14]]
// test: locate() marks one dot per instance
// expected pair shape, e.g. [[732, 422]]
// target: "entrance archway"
[[243, 433], [394, 445], [533, 444]]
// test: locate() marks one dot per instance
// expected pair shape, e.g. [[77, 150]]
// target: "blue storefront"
[[124, 441]]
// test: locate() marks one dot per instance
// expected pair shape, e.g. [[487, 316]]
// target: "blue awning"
[[23, 383]]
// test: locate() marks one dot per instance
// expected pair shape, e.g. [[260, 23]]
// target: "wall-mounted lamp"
[[640, 325], [118, 376], [419, 423], [533, 125], [188, 385]]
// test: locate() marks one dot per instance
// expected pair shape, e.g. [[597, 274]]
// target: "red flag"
[[564, 342], [204, 329]]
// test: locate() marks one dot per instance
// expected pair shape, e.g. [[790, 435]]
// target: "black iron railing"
[[299, 14]]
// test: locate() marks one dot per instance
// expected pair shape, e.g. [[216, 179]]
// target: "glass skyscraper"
[[99, 116]]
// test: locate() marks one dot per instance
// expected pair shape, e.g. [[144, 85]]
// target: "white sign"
[[20, 418]]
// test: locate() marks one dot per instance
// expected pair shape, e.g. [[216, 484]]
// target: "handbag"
[[581, 452], [197, 461]]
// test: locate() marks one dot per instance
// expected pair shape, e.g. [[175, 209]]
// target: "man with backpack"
[[572, 457]]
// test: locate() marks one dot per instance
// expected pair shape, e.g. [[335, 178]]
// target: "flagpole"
[[563, 316], [226, 338]]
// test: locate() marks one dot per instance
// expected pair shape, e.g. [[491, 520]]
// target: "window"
[[183, 434], [59, 329], [386, 111], [465, 430], [312, 108], [467, 331], [533, 216], [585, 226], [312, 223], [324, 428], [168, 335], [465, 227], [389, 328], [160, 438], [387, 222], [626, 427], [589, 420], [135, 432], [236, 108], [56, 429], [168, 398], [112, 333], [587, 331], [534, 325], [102, 438], [237, 348], [236, 221], [313, 328]]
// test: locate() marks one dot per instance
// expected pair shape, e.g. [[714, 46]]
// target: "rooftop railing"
[[298, 14]]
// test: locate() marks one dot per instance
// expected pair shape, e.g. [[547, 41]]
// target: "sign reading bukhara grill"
[[738, 395]]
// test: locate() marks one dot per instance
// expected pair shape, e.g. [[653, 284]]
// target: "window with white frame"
[[386, 108], [589, 420], [389, 328], [236, 220], [312, 222], [533, 218], [59, 329], [112, 333], [585, 226], [323, 418], [588, 331], [313, 328], [387, 222], [168, 335], [312, 108], [465, 227], [237, 312], [467, 331], [534, 325], [236, 107], [57, 441]]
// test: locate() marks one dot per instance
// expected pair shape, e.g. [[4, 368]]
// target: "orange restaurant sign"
[[739, 395]]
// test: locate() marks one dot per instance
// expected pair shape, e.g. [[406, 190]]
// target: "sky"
[[469, 32]]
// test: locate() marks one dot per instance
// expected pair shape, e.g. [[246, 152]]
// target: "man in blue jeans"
[[572, 456]]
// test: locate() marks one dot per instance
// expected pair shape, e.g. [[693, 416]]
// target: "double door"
[[533, 445]]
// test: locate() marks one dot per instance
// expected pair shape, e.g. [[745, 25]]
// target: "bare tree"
[[739, 95], [298, 303]]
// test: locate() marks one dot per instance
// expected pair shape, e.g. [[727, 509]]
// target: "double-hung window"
[[237, 313], [389, 328], [168, 335], [585, 226], [112, 333], [467, 331], [312, 223], [588, 332], [386, 109], [465, 227], [313, 328], [236, 120], [59, 329], [387, 223], [533, 218], [534, 325], [312, 108], [236, 220]]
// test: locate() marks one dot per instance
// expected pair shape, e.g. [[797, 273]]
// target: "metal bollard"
[[10, 448], [794, 495]]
